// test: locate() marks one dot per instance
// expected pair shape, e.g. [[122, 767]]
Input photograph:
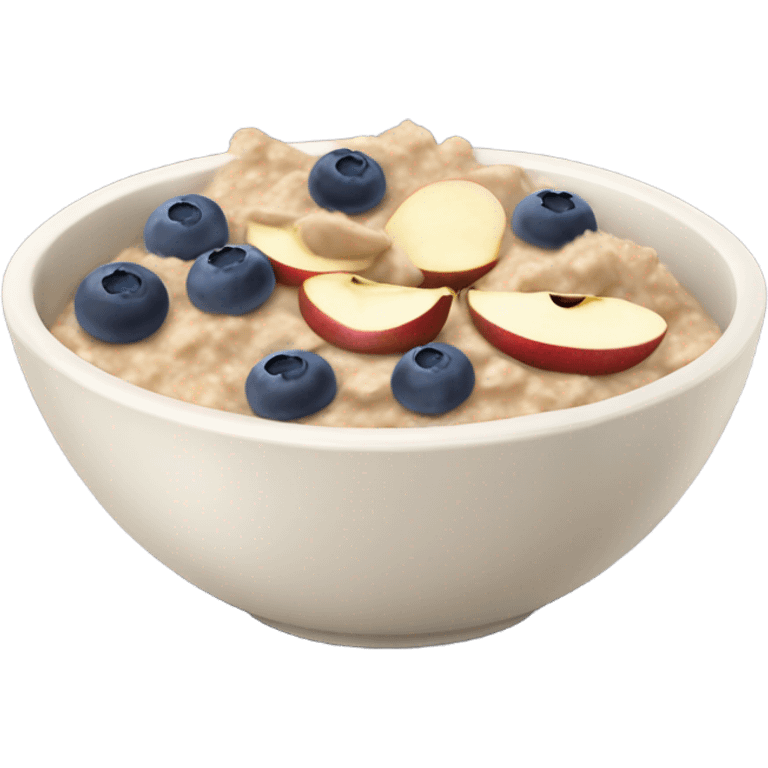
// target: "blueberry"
[[347, 181], [433, 379], [289, 385], [185, 227], [550, 219], [232, 280], [121, 302]]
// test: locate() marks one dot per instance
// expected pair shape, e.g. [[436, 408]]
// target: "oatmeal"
[[205, 358]]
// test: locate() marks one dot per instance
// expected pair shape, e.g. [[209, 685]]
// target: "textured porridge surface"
[[205, 359]]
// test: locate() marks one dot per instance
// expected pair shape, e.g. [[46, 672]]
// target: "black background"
[[108, 590]]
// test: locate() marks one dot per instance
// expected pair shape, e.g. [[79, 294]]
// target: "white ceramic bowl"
[[386, 537]]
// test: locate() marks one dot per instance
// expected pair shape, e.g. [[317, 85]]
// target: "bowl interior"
[[96, 228], [683, 237], [706, 258], [623, 207]]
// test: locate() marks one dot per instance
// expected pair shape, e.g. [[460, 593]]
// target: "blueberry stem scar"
[[226, 256], [185, 213], [429, 357], [289, 366], [121, 281], [557, 201], [350, 165]]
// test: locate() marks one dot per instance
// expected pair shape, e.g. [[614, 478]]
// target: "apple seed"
[[566, 301]]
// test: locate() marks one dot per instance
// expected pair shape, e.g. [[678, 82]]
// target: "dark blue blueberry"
[[232, 280], [121, 302], [550, 219], [347, 181], [433, 379], [185, 227], [289, 385]]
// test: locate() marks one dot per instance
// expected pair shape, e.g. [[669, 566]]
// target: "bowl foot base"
[[394, 641]]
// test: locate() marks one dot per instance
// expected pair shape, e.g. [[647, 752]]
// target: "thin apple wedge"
[[292, 261], [361, 315], [569, 333], [451, 230]]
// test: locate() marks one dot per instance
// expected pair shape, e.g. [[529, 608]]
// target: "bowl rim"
[[26, 325]]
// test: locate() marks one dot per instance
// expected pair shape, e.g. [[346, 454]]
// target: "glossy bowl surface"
[[387, 537]]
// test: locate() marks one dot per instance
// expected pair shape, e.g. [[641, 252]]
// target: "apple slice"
[[570, 333], [361, 315], [451, 230], [292, 261]]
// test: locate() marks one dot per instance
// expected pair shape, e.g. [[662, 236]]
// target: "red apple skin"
[[550, 357], [292, 276], [455, 280], [420, 330]]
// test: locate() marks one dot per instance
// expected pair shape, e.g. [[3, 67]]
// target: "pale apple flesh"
[[451, 230], [569, 333], [292, 261], [361, 315]]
